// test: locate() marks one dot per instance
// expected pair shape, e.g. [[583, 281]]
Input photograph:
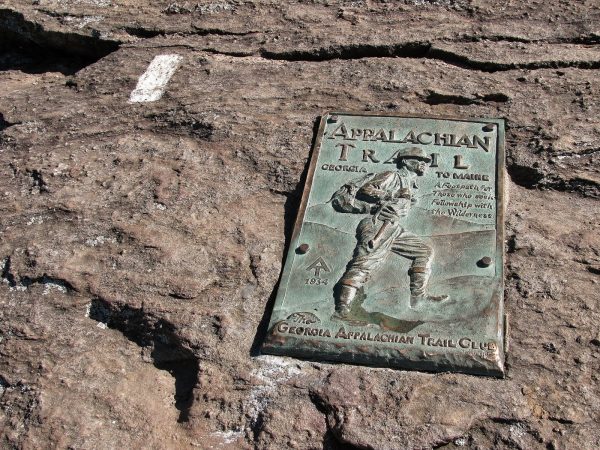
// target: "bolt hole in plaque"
[[396, 258]]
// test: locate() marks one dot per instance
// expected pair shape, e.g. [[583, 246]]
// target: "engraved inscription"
[[319, 265], [395, 136], [303, 317], [467, 344]]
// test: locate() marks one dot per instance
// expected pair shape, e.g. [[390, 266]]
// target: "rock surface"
[[141, 243]]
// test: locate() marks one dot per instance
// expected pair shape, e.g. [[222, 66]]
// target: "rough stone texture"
[[141, 244]]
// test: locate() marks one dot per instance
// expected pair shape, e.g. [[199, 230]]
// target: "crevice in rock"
[[497, 97], [256, 426], [45, 280], [511, 244], [4, 124], [142, 32], [355, 51], [418, 49], [27, 46], [7, 274], [318, 402], [590, 39], [496, 38], [4, 382], [505, 420], [218, 32], [439, 98], [585, 187], [532, 177], [215, 51], [594, 269], [465, 62], [440, 445], [159, 338], [38, 180], [331, 440], [525, 176], [25, 282]]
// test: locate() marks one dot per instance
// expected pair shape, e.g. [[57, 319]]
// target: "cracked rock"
[[141, 243]]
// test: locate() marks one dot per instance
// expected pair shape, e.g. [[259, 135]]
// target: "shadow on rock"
[[291, 207], [166, 349]]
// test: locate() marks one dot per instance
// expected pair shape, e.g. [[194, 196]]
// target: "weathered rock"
[[141, 244]]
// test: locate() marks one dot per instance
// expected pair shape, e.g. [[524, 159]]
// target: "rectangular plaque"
[[396, 259]]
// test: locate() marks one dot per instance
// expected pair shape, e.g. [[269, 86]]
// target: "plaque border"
[[502, 329]]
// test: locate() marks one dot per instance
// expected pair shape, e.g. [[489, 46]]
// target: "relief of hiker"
[[387, 197]]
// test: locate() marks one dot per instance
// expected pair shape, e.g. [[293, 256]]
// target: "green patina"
[[403, 223]]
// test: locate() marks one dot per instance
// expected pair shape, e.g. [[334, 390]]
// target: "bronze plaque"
[[396, 259]]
